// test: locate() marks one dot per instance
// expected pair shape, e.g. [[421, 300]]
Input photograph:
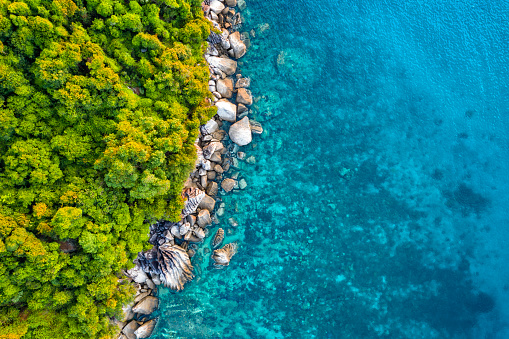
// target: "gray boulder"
[[210, 127]]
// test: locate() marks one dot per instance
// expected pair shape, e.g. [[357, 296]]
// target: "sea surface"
[[378, 202]]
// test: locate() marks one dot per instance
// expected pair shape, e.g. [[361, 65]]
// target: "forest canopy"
[[100, 103]]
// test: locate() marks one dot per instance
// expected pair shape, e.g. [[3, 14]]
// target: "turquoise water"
[[377, 206]]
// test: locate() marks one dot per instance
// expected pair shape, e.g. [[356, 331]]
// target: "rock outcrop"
[[175, 266]]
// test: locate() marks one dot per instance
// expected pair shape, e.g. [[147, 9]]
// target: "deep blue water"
[[378, 203]]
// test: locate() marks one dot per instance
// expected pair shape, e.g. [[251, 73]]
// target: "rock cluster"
[[133, 323], [215, 173]]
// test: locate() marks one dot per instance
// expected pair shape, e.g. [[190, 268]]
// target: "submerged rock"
[[256, 127], [240, 132], [243, 83], [218, 238], [223, 255]]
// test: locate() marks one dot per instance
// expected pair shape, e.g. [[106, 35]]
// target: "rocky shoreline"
[[168, 263]]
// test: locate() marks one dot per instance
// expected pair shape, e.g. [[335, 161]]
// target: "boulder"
[[207, 203], [225, 87], [244, 96], [211, 175], [204, 219], [210, 127], [146, 305], [212, 188], [129, 329], [145, 330], [226, 110], [216, 6], [231, 3], [237, 45], [227, 184], [216, 157], [226, 65], [150, 283], [141, 296], [218, 169], [240, 132]]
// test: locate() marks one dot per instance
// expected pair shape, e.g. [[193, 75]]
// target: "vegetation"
[[100, 103]]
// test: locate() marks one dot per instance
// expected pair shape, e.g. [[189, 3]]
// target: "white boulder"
[[226, 110], [240, 132], [216, 6]]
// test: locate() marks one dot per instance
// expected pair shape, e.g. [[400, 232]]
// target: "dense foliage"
[[100, 103]]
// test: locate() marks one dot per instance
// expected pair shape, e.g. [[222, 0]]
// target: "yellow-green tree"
[[100, 103]]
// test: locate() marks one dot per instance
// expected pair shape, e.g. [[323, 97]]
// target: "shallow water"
[[377, 206]]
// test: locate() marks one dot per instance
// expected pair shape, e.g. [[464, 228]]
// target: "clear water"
[[378, 204]]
